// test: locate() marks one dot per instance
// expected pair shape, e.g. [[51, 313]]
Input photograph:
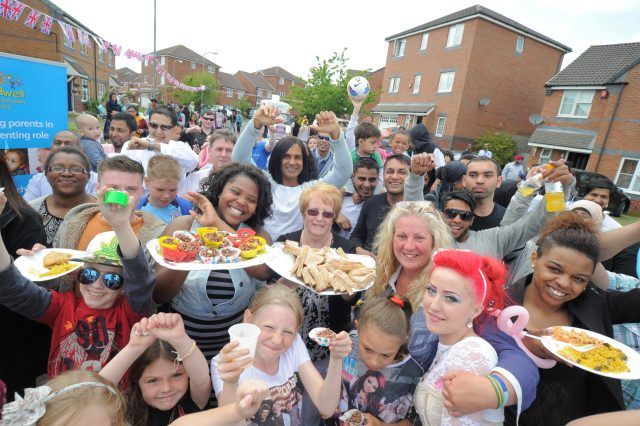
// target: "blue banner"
[[33, 108]]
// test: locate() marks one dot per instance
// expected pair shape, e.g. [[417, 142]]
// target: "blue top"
[[320, 163], [260, 155], [178, 207], [94, 151]]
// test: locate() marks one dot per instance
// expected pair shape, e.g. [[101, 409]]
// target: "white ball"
[[358, 88]]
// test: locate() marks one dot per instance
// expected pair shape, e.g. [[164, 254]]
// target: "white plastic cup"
[[246, 335]]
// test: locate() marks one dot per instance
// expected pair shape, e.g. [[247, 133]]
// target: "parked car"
[[619, 202]]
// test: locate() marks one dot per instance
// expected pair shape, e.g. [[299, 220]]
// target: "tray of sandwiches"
[[326, 271]]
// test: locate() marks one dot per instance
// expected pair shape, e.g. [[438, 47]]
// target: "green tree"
[[243, 105], [198, 79], [501, 144], [326, 88]]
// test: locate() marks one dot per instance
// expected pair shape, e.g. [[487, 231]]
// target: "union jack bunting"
[[16, 10], [83, 37], [32, 18], [47, 22], [68, 31], [5, 9]]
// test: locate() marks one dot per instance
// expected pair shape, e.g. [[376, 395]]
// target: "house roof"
[[229, 81], [127, 75], [375, 72], [411, 108], [278, 72], [479, 11], [568, 138], [599, 65], [58, 13], [183, 52], [76, 69], [257, 80]]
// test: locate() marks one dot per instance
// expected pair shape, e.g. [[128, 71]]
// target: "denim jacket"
[[193, 300]]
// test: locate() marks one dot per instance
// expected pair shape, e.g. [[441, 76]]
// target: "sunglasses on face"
[[163, 127], [316, 212], [207, 118], [111, 280], [465, 215], [324, 138]]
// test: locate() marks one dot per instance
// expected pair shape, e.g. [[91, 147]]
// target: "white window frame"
[[163, 60], [545, 155], [398, 48], [281, 94], [394, 84], [281, 80], [211, 69], [440, 126], [84, 49], [424, 41], [572, 114], [229, 93], [416, 84], [146, 79], [259, 93], [84, 90], [455, 35], [445, 85], [240, 94], [110, 58], [519, 44], [101, 90], [388, 121], [100, 54], [193, 65], [68, 42], [635, 178]]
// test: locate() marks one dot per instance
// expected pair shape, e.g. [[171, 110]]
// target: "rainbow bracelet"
[[496, 389], [503, 386]]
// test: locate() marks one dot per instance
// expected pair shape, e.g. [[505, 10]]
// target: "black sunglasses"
[[326, 138], [316, 212], [111, 280], [465, 215], [162, 126]]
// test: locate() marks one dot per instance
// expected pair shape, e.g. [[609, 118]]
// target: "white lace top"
[[471, 354]]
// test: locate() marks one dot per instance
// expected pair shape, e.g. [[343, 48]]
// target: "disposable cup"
[[246, 335]]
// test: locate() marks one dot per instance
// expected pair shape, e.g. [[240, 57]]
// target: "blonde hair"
[[329, 194], [391, 315], [85, 119], [386, 262], [163, 167], [277, 294], [71, 404]]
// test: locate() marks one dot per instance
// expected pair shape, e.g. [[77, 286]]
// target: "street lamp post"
[[203, 58]]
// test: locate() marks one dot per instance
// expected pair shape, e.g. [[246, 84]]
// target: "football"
[[358, 88]]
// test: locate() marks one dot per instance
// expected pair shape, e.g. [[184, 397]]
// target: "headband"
[[484, 286], [28, 410]]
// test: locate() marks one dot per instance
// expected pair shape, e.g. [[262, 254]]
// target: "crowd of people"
[[124, 340]]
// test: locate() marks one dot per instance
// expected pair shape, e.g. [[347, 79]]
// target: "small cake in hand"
[[322, 336]]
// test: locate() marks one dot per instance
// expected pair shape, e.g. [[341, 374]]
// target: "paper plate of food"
[[326, 271], [210, 249], [594, 352], [353, 417], [48, 264]]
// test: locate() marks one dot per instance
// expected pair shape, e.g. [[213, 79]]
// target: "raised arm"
[[353, 123], [342, 163], [265, 116], [414, 183], [183, 153]]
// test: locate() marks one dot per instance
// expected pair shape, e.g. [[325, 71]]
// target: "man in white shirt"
[[365, 180], [38, 185], [221, 143], [162, 123], [485, 152]]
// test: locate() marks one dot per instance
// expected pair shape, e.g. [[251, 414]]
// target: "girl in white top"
[[463, 287], [292, 167], [281, 360]]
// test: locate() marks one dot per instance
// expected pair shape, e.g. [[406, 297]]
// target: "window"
[[628, 175], [416, 83], [455, 35], [545, 155], [440, 126], [146, 79], [398, 49], [394, 84], [161, 79], [259, 93], [84, 49], [100, 54], [576, 103], [229, 93], [446, 82], [100, 90], [193, 65], [85, 90], [424, 41], [163, 60], [281, 94], [211, 69], [520, 44], [110, 58], [281, 80], [269, 94], [388, 121]]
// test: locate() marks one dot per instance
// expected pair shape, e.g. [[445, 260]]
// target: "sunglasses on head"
[[162, 126], [465, 215], [316, 212], [111, 280]]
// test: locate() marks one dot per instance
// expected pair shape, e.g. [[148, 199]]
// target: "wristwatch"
[[152, 145]]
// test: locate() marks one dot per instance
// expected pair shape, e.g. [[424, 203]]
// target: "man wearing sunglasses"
[[195, 136], [162, 123], [322, 154], [90, 326]]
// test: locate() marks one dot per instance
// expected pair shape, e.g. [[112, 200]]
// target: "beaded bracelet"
[[180, 358], [497, 390], [503, 387]]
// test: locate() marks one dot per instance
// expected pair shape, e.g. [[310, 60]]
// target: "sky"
[[253, 35]]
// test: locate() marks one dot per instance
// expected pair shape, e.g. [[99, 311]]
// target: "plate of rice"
[[608, 357]]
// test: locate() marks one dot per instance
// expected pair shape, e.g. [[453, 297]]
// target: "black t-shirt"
[[163, 418], [338, 241], [491, 221], [372, 214]]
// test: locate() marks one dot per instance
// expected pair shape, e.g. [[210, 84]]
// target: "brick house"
[[229, 89], [130, 81], [281, 80], [375, 79], [465, 74], [257, 88], [179, 61], [591, 116], [90, 72]]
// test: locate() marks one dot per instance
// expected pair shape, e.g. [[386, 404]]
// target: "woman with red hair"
[[464, 289]]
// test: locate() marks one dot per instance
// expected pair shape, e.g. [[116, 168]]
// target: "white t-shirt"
[[286, 210], [285, 387], [352, 212], [192, 181], [609, 223]]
